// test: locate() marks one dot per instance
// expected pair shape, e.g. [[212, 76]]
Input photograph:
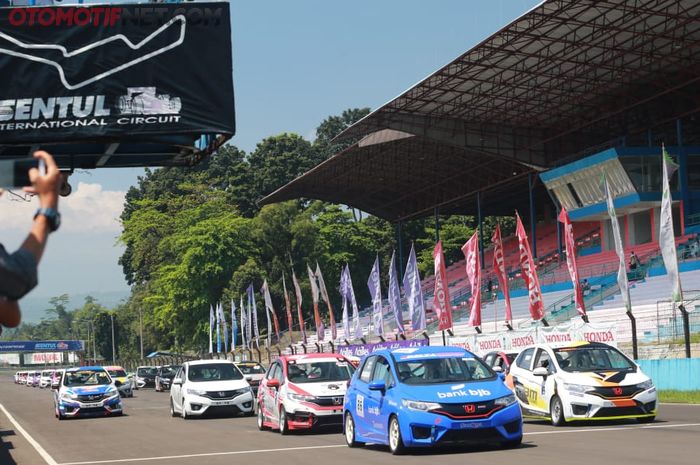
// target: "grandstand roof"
[[566, 79]]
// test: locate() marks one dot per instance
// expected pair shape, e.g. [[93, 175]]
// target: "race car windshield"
[[117, 373], [146, 371], [252, 369], [86, 378], [319, 372], [213, 372], [443, 370], [582, 359]]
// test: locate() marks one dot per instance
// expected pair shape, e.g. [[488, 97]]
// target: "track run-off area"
[[31, 435]]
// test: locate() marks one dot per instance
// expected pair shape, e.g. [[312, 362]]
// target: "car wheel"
[[556, 411], [350, 431], [173, 413], [183, 413], [395, 441], [284, 426], [261, 420]]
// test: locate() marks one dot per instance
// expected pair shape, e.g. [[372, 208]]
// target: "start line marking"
[[288, 449]]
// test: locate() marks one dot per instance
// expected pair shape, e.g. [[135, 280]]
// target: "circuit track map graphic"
[[116, 38]]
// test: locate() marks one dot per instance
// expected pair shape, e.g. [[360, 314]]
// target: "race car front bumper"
[[423, 429], [109, 406], [197, 405], [594, 406], [307, 415]]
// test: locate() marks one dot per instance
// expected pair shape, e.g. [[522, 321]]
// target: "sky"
[[295, 62]]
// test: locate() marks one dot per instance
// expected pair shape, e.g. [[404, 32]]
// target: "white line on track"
[[42, 452], [291, 449]]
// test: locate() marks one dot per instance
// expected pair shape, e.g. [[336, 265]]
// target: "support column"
[[533, 221], [481, 228]]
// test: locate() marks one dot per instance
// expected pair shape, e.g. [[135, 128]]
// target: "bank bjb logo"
[[145, 101]]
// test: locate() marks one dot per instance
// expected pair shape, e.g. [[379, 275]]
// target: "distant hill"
[[33, 307]]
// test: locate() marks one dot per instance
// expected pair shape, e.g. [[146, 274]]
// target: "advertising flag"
[[529, 272], [244, 340], [375, 291], [395, 294], [218, 329], [234, 325], [667, 240], [268, 310], [327, 300], [441, 297], [224, 326], [617, 238], [414, 292], [320, 330], [253, 318], [212, 322], [288, 307], [345, 293], [471, 253], [499, 267], [297, 291], [350, 292], [571, 260]]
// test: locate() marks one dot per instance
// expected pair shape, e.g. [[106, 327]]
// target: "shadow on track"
[[449, 449], [5, 448]]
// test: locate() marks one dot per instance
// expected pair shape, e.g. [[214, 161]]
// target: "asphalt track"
[[30, 435]]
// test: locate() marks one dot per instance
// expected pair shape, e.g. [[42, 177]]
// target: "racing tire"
[[283, 424], [350, 432], [647, 419], [173, 413], [183, 413], [556, 411], [261, 421], [396, 445]]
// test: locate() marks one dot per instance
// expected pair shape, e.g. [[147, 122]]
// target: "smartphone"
[[15, 173]]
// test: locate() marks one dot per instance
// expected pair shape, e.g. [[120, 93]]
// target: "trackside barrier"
[[679, 374]]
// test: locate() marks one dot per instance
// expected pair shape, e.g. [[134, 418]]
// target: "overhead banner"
[[41, 346], [108, 72]]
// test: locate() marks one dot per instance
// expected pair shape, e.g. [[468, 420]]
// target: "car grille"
[[224, 395], [330, 401], [91, 398], [615, 392], [468, 410], [619, 411], [471, 435]]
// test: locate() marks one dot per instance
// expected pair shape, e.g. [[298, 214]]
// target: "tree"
[[334, 125]]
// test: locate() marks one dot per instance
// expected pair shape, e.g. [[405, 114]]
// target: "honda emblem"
[[617, 391], [470, 408]]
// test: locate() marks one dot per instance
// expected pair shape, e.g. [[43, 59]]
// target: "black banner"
[[115, 72]]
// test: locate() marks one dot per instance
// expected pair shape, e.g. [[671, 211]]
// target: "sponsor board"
[[360, 350], [41, 346]]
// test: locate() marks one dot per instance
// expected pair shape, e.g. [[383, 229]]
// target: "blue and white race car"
[[428, 396], [87, 391]]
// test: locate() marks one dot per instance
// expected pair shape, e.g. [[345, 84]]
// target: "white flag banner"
[[375, 291], [414, 292], [617, 238], [212, 322], [667, 241], [345, 293], [244, 342], [269, 309], [395, 294]]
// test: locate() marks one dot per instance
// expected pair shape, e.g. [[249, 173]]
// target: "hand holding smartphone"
[[15, 172]]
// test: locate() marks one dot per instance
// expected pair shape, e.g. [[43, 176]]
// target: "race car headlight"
[[419, 405], [575, 388], [300, 397], [648, 384], [505, 400], [196, 392], [68, 397]]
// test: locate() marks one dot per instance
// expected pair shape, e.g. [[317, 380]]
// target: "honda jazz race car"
[[117, 373], [254, 372], [87, 391], [429, 396], [582, 381], [303, 392], [45, 379], [204, 386]]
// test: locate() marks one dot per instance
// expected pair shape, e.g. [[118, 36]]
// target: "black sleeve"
[[18, 273]]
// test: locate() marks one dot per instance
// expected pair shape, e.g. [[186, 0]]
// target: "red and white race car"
[[303, 392]]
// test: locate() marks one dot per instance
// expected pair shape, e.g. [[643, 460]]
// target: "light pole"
[[114, 358]]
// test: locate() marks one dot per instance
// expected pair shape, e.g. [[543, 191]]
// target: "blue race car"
[[428, 396], [87, 391]]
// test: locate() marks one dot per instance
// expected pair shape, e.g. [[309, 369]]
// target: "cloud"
[[88, 209]]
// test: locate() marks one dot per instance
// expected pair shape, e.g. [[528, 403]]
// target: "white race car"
[[205, 386], [581, 381], [303, 392]]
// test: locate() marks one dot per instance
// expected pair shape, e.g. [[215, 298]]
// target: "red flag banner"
[[441, 299], [529, 272], [288, 306], [471, 254], [571, 260], [499, 267]]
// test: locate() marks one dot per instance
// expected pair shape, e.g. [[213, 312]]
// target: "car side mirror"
[[377, 386], [540, 371], [497, 369], [248, 378], [177, 381], [273, 383], [117, 383], [502, 376]]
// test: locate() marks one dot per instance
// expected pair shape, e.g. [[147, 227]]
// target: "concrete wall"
[[681, 374]]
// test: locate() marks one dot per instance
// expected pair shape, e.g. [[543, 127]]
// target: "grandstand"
[[529, 120]]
